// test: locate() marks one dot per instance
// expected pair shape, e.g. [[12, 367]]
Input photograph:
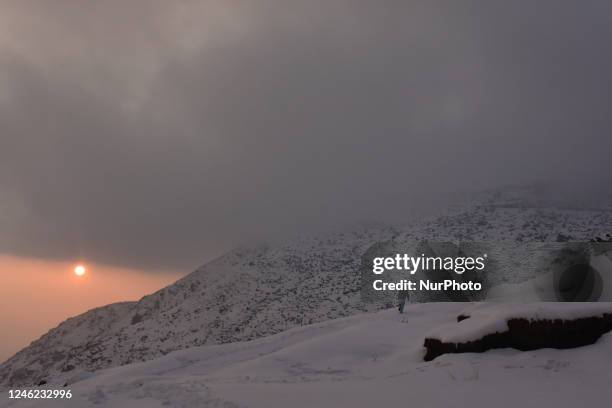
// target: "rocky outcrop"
[[527, 334]]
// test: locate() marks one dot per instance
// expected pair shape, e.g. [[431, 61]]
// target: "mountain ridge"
[[257, 291]]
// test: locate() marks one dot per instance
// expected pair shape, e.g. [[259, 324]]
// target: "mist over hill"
[[260, 290]]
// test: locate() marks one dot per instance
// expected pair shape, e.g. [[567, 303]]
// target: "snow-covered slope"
[[248, 293], [259, 291], [368, 360]]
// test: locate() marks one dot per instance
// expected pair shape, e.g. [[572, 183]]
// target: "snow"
[[486, 318], [257, 291], [360, 361]]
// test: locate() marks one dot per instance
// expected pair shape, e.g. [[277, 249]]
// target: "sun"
[[80, 270]]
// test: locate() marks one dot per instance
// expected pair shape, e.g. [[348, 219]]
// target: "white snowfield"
[[367, 360]]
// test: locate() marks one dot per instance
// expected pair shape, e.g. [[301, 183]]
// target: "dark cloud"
[[157, 134]]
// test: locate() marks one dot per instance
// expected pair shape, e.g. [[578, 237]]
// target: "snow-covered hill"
[[259, 291], [373, 359], [248, 293]]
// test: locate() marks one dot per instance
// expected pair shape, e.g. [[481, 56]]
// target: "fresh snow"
[[258, 291], [487, 318], [367, 360]]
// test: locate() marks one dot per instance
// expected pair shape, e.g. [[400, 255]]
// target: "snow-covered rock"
[[525, 326]]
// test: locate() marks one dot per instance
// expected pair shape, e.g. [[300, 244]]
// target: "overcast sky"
[[157, 134]]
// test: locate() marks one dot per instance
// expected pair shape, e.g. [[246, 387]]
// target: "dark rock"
[[563, 238], [524, 334], [136, 319]]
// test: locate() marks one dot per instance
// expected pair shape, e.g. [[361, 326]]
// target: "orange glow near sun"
[[54, 288], [80, 270]]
